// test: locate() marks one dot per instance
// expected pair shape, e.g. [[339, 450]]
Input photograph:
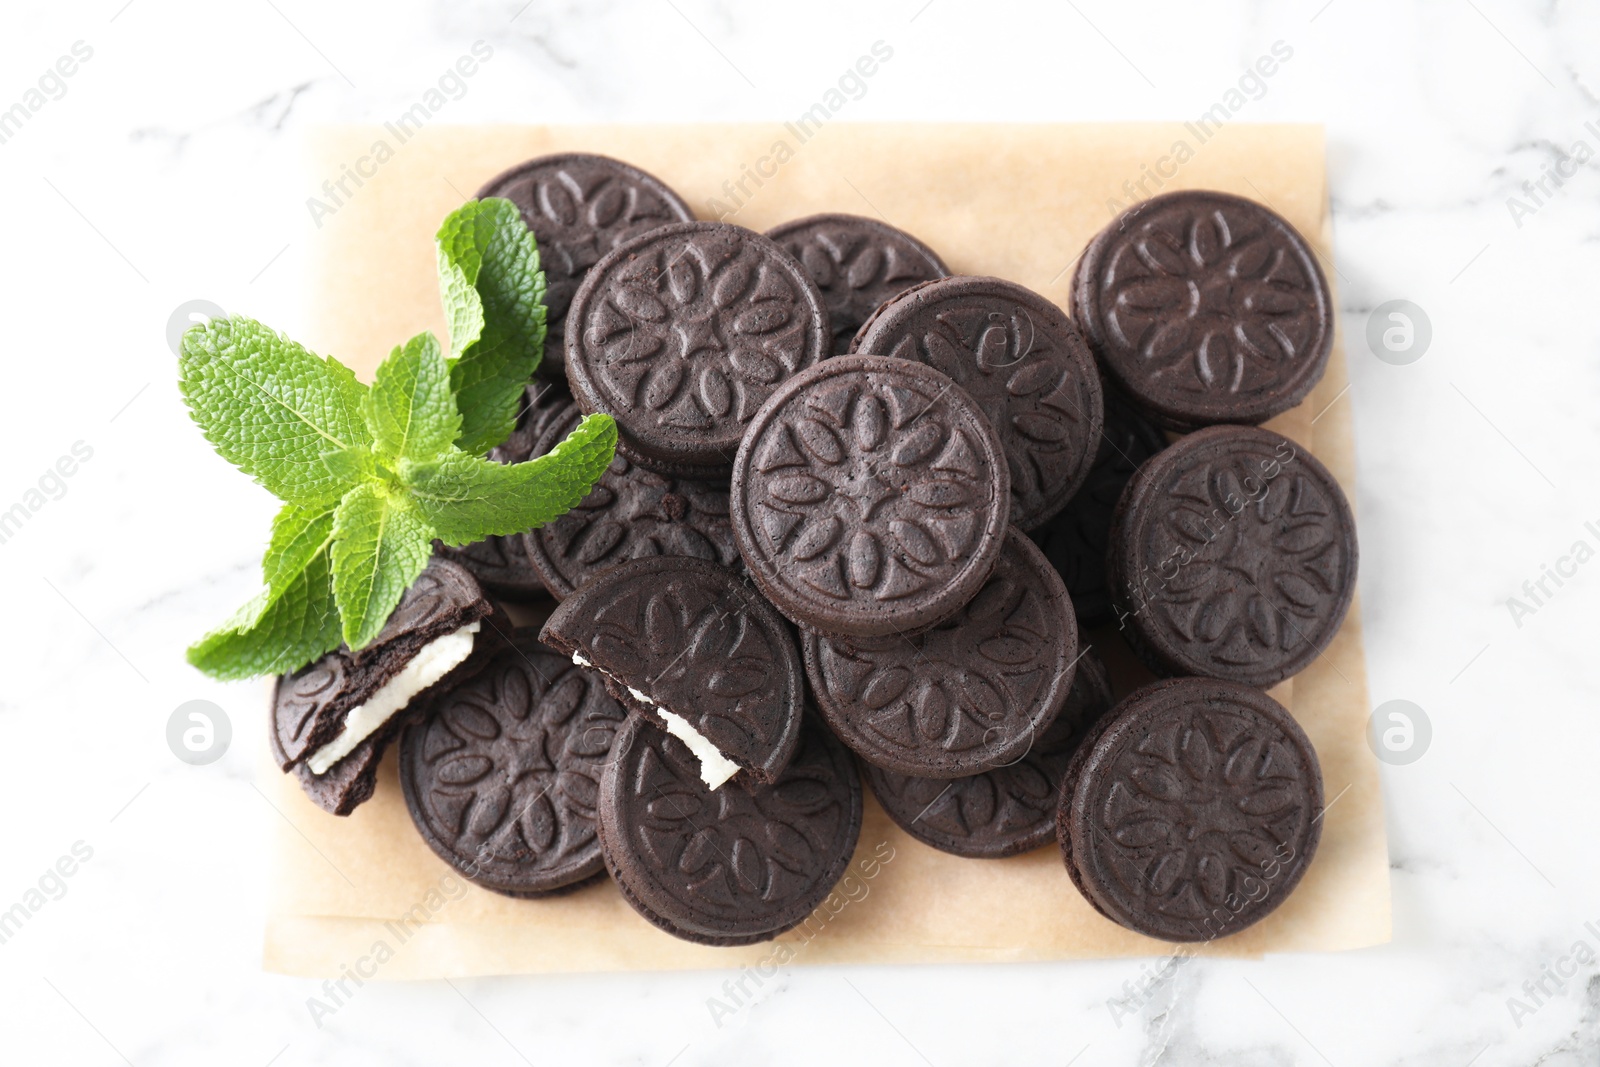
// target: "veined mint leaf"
[[352, 466], [272, 408], [281, 630], [294, 619], [459, 246], [410, 410], [493, 293], [465, 498], [298, 535], [380, 545]]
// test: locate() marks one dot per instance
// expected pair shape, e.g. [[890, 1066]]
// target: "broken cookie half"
[[690, 646], [333, 719]]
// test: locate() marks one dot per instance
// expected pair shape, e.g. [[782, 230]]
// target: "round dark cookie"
[[857, 263], [1193, 809], [500, 563], [1075, 541], [1205, 308], [971, 694], [681, 334], [734, 865], [870, 497], [1008, 810], [502, 776], [1026, 365], [1233, 555], [580, 207], [691, 637], [631, 513]]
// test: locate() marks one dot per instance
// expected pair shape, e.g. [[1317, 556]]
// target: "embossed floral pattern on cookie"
[[870, 497], [1011, 808], [503, 778], [1024, 363], [972, 693], [1206, 308], [1196, 811], [1234, 556], [690, 637], [857, 263], [732, 860], [683, 333]]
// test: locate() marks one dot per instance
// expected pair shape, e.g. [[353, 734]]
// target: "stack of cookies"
[[859, 510]]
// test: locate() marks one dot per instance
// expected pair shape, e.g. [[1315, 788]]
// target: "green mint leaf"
[[459, 246], [410, 409], [291, 622], [352, 466], [298, 535], [465, 498], [272, 408], [380, 545], [493, 293]]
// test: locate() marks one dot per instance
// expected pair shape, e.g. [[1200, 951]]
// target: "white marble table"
[[162, 169]]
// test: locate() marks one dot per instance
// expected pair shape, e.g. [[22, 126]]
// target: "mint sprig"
[[371, 476]]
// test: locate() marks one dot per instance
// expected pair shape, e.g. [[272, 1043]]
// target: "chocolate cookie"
[[1025, 364], [502, 777], [737, 865], [682, 333], [1075, 540], [580, 207], [1010, 809], [351, 782], [870, 497], [1233, 555], [500, 563], [973, 693], [857, 263], [631, 513], [333, 718], [1192, 810], [693, 648], [1205, 308]]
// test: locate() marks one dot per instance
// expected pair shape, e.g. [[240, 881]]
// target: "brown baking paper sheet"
[[1017, 201]]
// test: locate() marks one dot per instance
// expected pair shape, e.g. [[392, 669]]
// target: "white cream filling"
[[436, 659], [715, 768]]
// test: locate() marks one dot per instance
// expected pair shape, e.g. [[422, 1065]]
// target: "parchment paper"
[[1017, 201]]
